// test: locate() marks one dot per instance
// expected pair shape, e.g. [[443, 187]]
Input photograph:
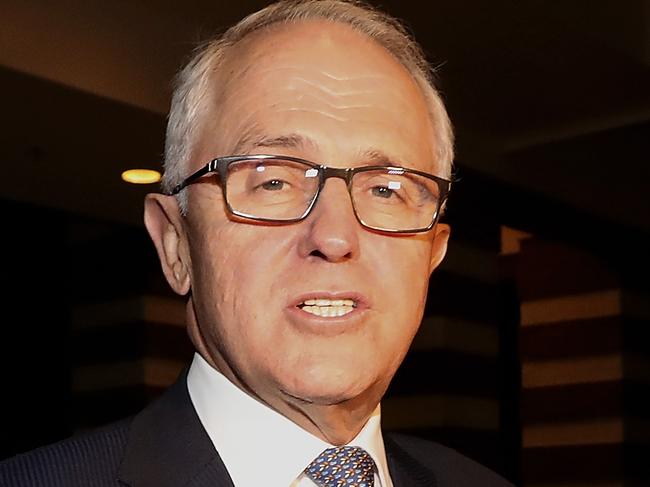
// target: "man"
[[307, 163]]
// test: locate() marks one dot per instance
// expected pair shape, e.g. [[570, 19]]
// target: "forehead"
[[321, 80], [332, 47]]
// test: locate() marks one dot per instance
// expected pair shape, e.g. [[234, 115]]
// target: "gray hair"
[[194, 82]]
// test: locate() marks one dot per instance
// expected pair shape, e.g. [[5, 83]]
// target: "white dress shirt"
[[257, 444]]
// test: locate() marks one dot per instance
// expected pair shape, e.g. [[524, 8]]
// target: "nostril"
[[317, 253], [330, 257]]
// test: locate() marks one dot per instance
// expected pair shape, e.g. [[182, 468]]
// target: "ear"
[[442, 231], [163, 221]]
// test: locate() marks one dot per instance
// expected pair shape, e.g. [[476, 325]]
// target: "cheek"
[[406, 278], [237, 276], [405, 267]]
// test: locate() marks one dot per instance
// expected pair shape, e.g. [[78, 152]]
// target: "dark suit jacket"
[[165, 445]]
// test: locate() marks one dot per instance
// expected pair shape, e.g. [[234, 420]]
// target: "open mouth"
[[328, 307]]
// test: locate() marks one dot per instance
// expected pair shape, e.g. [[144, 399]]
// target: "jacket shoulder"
[[90, 459], [451, 468]]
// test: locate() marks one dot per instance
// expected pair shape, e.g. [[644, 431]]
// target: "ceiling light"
[[141, 176]]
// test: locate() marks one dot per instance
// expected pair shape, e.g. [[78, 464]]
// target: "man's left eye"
[[382, 192]]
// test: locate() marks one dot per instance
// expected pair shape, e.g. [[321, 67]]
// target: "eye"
[[382, 192], [273, 185]]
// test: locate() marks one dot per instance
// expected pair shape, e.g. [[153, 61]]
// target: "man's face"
[[321, 92]]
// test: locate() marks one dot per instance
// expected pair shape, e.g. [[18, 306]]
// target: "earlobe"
[[163, 221], [439, 245]]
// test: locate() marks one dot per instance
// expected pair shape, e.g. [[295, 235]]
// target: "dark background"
[[551, 106]]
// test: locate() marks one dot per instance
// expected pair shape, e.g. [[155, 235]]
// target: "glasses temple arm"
[[209, 167]]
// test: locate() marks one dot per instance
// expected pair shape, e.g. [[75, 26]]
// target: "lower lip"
[[326, 325]]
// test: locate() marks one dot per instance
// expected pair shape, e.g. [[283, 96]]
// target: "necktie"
[[343, 466]]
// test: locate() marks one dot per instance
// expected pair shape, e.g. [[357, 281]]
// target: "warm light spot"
[[141, 176]]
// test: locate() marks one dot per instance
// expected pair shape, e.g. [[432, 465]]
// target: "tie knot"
[[343, 466]]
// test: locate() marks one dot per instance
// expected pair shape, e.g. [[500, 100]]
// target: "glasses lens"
[[273, 189], [395, 200]]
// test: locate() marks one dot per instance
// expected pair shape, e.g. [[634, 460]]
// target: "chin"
[[328, 389], [322, 398]]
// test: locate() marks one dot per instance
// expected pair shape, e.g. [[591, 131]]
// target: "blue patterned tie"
[[343, 466]]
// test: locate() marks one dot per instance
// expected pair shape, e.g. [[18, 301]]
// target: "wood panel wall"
[[585, 370]]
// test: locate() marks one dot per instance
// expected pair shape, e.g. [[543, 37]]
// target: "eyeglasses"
[[283, 189]]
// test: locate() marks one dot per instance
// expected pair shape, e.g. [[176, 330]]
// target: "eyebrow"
[[379, 158], [251, 140]]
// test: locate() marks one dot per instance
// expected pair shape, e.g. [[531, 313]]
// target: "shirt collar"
[[242, 428]]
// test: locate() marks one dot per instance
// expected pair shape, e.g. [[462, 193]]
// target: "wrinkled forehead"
[[334, 49], [284, 68]]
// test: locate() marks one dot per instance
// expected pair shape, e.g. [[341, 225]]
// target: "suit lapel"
[[404, 470], [167, 446]]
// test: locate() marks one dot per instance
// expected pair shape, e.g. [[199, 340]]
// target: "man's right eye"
[[273, 185]]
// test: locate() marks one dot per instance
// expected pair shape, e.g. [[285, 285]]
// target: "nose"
[[331, 230]]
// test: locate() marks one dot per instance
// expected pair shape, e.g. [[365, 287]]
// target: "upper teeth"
[[328, 307], [329, 302]]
